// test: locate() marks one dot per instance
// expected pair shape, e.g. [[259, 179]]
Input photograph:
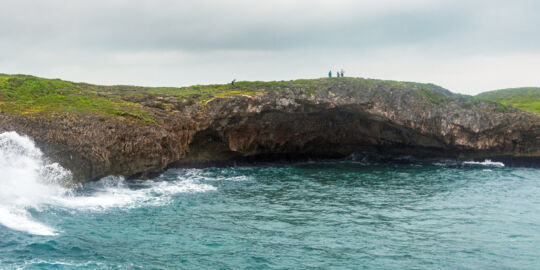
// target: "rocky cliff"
[[251, 121]]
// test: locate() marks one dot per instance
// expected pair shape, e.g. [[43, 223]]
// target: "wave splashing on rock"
[[27, 180]]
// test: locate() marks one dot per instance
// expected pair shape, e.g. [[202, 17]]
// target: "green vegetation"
[[427, 91], [195, 92], [23, 94], [29, 95], [526, 98]]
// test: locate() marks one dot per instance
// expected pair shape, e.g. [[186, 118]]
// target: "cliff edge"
[[135, 131]]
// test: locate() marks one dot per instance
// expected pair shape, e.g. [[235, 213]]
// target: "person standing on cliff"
[[330, 74], [342, 72], [233, 82]]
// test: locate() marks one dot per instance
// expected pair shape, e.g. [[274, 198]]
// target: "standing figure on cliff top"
[[330, 74], [342, 72], [233, 82]]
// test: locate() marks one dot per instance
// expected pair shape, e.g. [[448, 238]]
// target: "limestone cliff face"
[[336, 119]]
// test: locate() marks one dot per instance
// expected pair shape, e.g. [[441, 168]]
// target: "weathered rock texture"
[[336, 119]]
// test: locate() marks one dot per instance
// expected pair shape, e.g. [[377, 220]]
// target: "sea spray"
[[27, 180]]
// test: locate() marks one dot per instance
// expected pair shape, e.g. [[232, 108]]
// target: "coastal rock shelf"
[[147, 130]]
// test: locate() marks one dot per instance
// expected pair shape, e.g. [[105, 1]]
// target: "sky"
[[466, 46]]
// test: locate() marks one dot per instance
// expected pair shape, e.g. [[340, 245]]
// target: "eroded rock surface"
[[335, 119]]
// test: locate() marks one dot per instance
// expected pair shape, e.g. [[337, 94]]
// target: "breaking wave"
[[115, 192], [28, 181]]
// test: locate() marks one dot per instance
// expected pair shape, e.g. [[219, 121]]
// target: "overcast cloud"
[[465, 46]]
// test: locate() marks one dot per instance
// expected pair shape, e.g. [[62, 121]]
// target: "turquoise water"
[[320, 215]]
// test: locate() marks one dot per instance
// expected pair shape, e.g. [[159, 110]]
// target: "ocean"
[[347, 214]]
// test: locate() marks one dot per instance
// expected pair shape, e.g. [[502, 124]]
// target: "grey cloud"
[[212, 40], [172, 26]]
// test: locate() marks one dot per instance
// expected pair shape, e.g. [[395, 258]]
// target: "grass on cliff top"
[[29, 95], [526, 98]]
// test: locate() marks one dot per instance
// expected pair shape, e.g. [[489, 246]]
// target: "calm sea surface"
[[321, 215]]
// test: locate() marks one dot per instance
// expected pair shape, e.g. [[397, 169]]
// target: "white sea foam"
[[40, 262], [20, 219], [486, 162], [197, 174], [112, 192], [28, 181]]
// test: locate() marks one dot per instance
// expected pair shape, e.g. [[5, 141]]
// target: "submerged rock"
[[322, 118]]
